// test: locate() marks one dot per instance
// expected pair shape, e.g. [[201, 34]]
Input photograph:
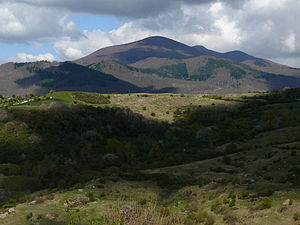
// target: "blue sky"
[[69, 29], [103, 22]]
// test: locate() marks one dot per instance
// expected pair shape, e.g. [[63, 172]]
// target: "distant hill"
[[40, 77], [238, 56], [154, 65], [159, 47], [167, 64]]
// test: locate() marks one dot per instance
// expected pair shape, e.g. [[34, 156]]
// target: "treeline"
[[13, 100]]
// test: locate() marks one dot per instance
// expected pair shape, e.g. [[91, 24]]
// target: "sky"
[[60, 30]]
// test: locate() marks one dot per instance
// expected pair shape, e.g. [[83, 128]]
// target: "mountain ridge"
[[153, 65]]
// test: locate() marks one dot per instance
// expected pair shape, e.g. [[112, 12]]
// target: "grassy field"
[[154, 106]]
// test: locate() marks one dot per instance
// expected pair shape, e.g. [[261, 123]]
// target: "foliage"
[[175, 71], [91, 98], [265, 204], [296, 216], [208, 70]]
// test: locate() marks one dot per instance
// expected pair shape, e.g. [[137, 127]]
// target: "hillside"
[[40, 77], [229, 159], [203, 74], [238, 56], [151, 65], [160, 47], [190, 69]]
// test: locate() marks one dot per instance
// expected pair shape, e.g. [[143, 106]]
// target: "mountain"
[[155, 65], [159, 47], [166, 64], [40, 77], [238, 56]]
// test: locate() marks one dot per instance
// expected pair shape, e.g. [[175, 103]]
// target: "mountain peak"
[[235, 55], [163, 42], [154, 46]]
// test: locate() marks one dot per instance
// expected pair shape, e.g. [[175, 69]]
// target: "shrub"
[[244, 194], [265, 204], [232, 195], [29, 216], [91, 98], [177, 112], [231, 148], [296, 216], [153, 114], [143, 201], [144, 108], [193, 206], [91, 196], [202, 217], [78, 186], [230, 217], [216, 205], [164, 212], [102, 195], [265, 193], [232, 203]]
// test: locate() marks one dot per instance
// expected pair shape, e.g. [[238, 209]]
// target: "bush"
[[296, 216], [265, 204], [230, 217], [202, 217], [231, 148], [153, 114], [29, 216], [232, 203], [91, 196], [244, 194], [78, 186], [216, 205], [143, 201], [164, 212], [91, 98]]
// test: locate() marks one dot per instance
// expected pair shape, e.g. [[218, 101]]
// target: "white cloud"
[[269, 4], [290, 43], [9, 23], [265, 28], [216, 8], [191, 24], [69, 49], [21, 23], [23, 57]]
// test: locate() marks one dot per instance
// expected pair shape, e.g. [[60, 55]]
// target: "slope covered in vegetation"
[[232, 160]]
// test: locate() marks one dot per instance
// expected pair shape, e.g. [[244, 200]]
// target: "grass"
[[163, 105], [128, 200]]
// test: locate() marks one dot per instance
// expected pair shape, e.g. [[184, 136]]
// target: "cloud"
[[290, 43], [213, 30], [20, 23], [23, 57], [264, 28], [122, 8]]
